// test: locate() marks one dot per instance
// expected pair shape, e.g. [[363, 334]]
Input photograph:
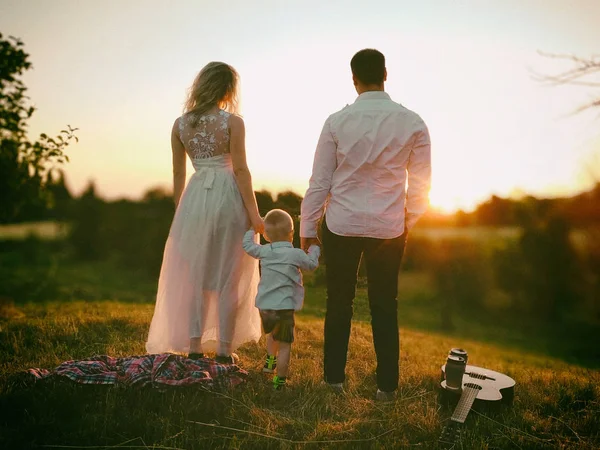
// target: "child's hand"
[[258, 224]]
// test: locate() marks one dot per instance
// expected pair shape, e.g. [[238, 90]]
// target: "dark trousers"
[[342, 258]]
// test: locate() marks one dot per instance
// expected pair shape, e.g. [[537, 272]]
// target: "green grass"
[[101, 308], [557, 404]]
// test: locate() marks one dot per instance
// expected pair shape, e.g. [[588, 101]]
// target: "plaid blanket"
[[156, 370]]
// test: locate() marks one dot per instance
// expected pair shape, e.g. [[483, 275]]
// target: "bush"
[[592, 265], [419, 254], [542, 272], [88, 216], [132, 233], [462, 276], [28, 270], [317, 277]]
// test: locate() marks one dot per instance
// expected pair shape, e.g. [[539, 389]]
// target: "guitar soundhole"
[[473, 386]]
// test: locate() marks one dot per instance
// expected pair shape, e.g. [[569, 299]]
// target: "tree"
[[542, 271], [265, 202], [496, 212], [584, 72], [86, 230], [25, 166], [61, 198], [290, 202]]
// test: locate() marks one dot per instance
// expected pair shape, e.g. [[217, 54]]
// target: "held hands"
[[258, 224], [305, 243]]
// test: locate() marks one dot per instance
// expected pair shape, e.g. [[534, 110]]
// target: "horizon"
[[516, 197], [119, 73]]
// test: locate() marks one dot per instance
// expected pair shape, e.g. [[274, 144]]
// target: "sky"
[[119, 71]]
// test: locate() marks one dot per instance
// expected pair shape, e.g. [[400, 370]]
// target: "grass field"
[[43, 230], [557, 405], [67, 309]]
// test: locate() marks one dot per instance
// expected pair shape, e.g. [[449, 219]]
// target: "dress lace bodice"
[[205, 136]]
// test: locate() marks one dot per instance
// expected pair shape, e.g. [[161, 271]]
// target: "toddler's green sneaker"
[[270, 364], [279, 382]]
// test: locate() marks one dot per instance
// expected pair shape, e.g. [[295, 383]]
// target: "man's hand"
[[305, 243]]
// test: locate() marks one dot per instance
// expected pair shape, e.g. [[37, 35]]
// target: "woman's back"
[[207, 284], [205, 135]]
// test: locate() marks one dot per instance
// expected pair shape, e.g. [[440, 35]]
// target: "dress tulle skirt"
[[207, 283]]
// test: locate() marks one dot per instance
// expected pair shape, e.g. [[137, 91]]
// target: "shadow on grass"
[[55, 412]]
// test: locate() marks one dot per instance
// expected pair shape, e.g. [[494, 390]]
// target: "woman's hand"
[[257, 224]]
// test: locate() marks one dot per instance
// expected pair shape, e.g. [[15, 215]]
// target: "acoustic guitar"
[[478, 384]]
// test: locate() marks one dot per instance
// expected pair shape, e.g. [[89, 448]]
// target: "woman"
[[207, 284]]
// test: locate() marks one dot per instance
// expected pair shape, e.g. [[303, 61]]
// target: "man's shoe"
[[196, 356], [338, 388], [383, 396], [270, 364]]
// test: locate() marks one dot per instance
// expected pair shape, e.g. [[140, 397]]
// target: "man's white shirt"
[[366, 155]]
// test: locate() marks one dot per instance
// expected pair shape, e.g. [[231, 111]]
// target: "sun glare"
[[447, 201]]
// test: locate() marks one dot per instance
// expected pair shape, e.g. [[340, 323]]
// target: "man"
[[366, 154]]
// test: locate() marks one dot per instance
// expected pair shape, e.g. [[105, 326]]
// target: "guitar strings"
[[464, 405], [468, 399]]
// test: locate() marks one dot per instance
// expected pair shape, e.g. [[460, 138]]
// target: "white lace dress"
[[207, 283]]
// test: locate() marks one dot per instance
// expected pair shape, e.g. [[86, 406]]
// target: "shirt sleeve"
[[310, 260], [419, 177], [324, 164], [251, 247]]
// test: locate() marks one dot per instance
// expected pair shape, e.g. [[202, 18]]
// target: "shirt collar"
[[279, 244], [373, 95]]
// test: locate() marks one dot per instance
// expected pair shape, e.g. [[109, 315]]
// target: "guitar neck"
[[464, 404]]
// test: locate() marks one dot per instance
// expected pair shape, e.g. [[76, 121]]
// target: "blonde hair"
[[278, 225], [215, 85]]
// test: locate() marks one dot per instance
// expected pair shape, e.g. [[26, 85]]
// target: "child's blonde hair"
[[278, 225]]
